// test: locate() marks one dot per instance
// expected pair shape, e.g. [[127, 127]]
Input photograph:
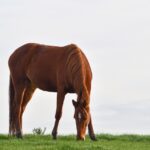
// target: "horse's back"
[[28, 53]]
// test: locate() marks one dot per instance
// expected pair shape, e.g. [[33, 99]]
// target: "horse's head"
[[82, 118]]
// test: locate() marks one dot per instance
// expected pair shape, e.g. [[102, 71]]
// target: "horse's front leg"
[[91, 130], [60, 100]]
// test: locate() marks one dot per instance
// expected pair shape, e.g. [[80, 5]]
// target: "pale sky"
[[114, 35]]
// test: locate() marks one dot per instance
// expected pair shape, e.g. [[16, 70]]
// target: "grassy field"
[[105, 142]]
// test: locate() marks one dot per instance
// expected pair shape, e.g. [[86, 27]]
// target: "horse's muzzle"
[[81, 138]]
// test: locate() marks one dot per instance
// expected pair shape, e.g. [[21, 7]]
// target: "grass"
[[105, 142]]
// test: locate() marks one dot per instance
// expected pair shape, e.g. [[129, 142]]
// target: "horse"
[[61, 69]]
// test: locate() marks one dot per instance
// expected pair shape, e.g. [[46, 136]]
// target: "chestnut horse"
[[55, 69]]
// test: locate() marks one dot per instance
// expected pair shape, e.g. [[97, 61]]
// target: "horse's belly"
[[45, 85], [43, 81], [48, 88]]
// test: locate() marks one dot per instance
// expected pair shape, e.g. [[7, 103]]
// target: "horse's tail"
[[11, 103]]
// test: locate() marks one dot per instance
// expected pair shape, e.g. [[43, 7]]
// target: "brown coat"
[[49, 68]]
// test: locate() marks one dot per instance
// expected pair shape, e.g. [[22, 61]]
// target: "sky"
[[115, 37]]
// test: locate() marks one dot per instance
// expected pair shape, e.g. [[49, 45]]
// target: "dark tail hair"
[[11, 101]]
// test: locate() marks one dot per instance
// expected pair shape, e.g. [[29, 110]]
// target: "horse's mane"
[[74, 64]]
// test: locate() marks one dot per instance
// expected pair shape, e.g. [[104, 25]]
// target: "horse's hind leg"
[[19, 92], [26, 98], [60, 100]]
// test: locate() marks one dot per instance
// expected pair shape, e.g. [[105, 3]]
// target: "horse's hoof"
[[19, 136], [93, 138], [54, 135]]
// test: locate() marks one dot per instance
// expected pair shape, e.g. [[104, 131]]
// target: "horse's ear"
[[74, 103]]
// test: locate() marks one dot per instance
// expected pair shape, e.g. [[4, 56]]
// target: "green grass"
[[105, 142]]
